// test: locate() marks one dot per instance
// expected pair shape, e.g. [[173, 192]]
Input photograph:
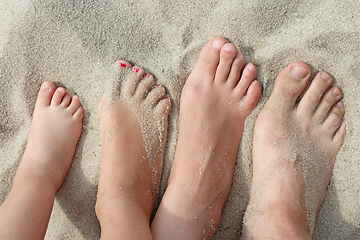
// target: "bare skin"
[[212, 116], [294, 151], [55, 130], [133, 135]]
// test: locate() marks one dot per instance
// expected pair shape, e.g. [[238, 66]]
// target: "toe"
[[46, 92], [132, 82], [313, 95], [236, 67], [228, 54], [339, 136], [66, 100], [58, 96], [162, 109], [79, 113], [334, 120], [209, 58], [252, 97], [330, 97], [122, 64], [74, 105], [154, 96], [144, 87], [248, 76], [289, 85]]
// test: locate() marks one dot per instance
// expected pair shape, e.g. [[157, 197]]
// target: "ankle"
[[38, 173], [278, 222], [121, 198]]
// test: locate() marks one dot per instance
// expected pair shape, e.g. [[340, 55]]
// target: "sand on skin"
[[74, 44]]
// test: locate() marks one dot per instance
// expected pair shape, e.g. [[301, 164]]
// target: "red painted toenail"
[[147, 75], [135, 69], [167, 98], [123, 65], [159, 85]]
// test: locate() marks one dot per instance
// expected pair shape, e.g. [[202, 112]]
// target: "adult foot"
[[54, 132], [295, 146], [215, 101], [133, 123]]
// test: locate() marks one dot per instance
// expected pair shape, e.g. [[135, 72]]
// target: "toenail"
[[336, 93], [252, 67], [61, 90], [340, 105], [239, 55], [147, 75], [167, 98], [228, 48], [159, 85], [298, 72], [135, 69], [120, 64], [325, 75], [46, 87], [217, 44]]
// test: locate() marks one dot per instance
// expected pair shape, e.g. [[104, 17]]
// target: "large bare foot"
[[55, 130], [133, 123], [214, 104], [295, 145]]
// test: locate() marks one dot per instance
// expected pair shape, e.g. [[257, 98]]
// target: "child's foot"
[[133, 123], [55, 130], [295, 146], [214, 104]]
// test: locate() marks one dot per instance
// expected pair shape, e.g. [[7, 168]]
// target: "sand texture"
[[74, 44]]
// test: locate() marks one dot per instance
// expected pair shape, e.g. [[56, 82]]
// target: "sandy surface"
[[74, 43]]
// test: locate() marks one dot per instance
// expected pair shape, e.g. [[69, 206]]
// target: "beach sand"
[[75, 43]]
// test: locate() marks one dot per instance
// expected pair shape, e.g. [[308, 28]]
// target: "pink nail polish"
[[120, 64], [135, 69], [147, 75], [159, 85]]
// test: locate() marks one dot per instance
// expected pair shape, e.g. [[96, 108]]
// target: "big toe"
[[209, 58], [45, 94], [290, 83]]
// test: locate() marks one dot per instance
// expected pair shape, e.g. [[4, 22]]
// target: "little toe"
[[66, 100], [289, 85], [247, 77], [79, 113], [339, 136], [228, 54], [252, 97], [58, 96], [334, 120], [74, 105], [313, 95], [236, 67], [162, 109], [154, 95], [45, 94], [330, 97], [209, 58]]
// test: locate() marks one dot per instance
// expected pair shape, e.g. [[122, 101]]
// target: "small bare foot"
[[133, 123], [55, 130], [295, 146], [214, 104]]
